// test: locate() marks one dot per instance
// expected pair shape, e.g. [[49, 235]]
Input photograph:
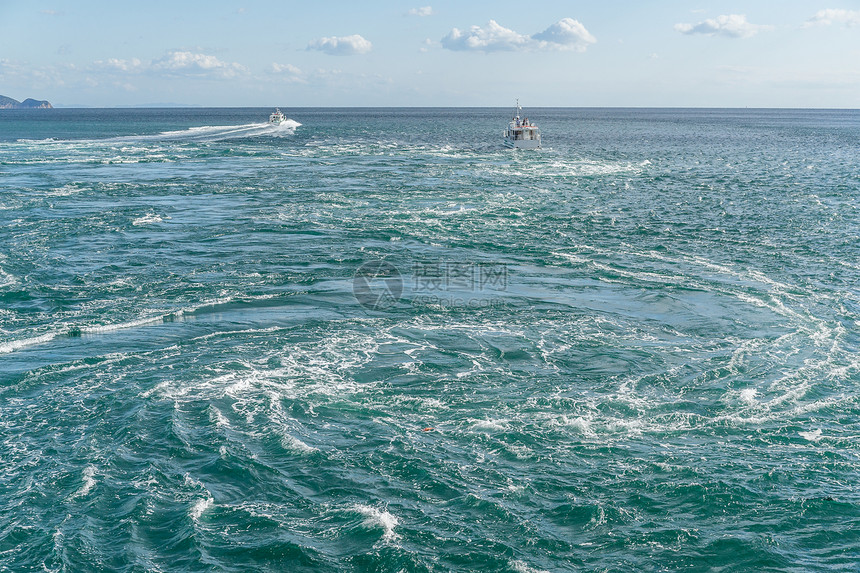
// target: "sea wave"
[[375, 518]]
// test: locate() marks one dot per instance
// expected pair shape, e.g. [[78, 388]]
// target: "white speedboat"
[[277, 118], [521, 133]]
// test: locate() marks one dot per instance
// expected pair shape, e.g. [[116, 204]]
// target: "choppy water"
[[635, 349]]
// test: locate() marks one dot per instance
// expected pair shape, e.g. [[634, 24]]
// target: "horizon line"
[[198, 106]]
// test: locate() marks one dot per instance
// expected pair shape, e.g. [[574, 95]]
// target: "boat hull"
[[522, 143]]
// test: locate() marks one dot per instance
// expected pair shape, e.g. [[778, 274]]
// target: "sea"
[[378, 340]]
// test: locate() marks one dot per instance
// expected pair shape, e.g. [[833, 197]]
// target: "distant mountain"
[[29, 103]]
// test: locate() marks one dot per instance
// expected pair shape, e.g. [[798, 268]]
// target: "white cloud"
[[116, 64], [731, 25], [492, 39], [174, 63], [289, 72], [9, 68], [566, 34], [422, 11], [834, 16], [17, 72], [341, 46], [288, 68], [196, 64]]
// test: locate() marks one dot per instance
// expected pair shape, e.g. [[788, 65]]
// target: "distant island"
[[29, 103]]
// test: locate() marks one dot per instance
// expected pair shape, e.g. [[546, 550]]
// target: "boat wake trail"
[[137, 148], [220, 132]]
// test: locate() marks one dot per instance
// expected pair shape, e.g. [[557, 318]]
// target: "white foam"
[[520, 451], [199, 507], [89, 481], [523, 567], [213, 302], [161, 386], [489, 425], [768, 413], [220, 420], [201, 504], [295, 445], [374, 518], [103, 328], [283, 425], [64, 191], [14, 345], [579, 423], [129, 151], [147, 219], [6, 279], [554, 167], [749, 396], [812, 436], [571, 257], [432, 403], [217, 132]]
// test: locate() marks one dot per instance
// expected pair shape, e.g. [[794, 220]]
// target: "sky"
[[433, 53]]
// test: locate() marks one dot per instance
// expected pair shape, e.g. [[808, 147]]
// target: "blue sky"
[[433, 53]]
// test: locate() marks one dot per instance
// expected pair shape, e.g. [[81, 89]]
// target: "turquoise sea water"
[[379, 341]]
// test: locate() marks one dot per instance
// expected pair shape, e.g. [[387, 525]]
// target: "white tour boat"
[[277, 118], [521, 133]]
